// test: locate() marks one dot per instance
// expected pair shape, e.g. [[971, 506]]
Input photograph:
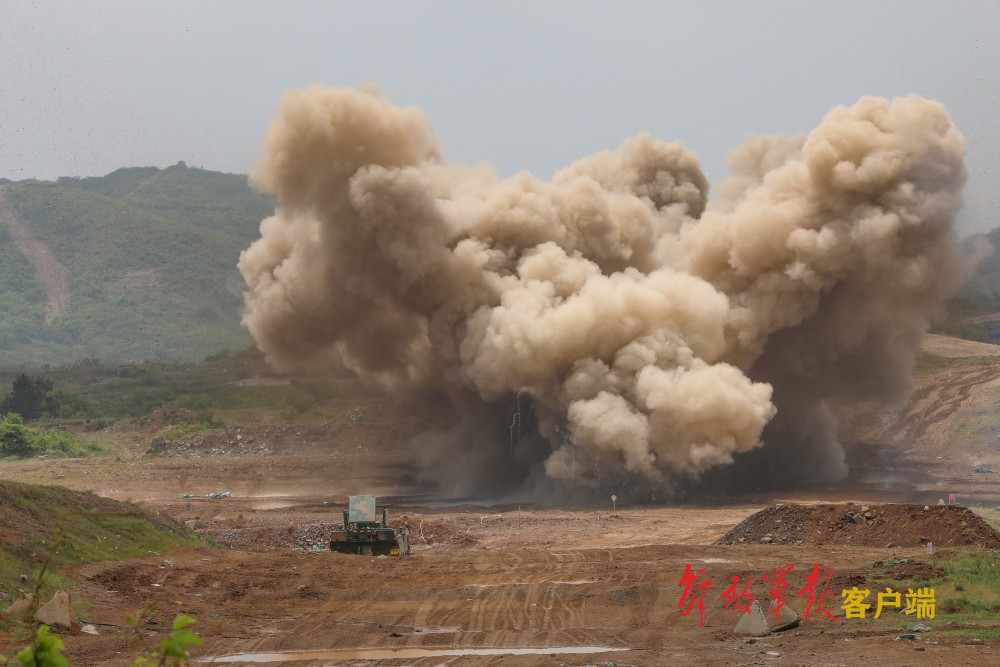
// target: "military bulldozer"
[[362, 533]]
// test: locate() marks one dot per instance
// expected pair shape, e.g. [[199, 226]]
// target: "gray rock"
[[57, 612], [753, 622], [20, 610], [787, 618]]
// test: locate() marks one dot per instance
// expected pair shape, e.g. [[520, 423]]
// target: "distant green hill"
[[150, 255], [972, 313], [149, 259]]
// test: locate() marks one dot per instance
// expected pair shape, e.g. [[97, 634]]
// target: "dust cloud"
[[613, 329]]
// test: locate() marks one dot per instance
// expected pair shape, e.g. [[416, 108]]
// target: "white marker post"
[[614, 507]]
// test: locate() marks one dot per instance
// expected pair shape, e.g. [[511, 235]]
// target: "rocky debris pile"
[[312, 535], [904, 569], [873, 525], [302, 536], [423, 534], [57, 612], [245, 441], [157, 420]]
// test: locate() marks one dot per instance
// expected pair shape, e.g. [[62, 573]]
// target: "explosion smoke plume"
[[656, 333]]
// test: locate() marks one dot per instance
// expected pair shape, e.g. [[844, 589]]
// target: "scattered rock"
[[787, 618], [158, 446], [753, 622], [57, 612], [20, 610], [89, 629]]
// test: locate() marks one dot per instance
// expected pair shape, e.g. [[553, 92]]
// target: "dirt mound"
[[167, 417], [384, 425], [905, 569], [865, 525], [247, 440], [303, 536]]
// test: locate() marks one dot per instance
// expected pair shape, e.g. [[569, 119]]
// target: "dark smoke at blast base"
[[653, 335]]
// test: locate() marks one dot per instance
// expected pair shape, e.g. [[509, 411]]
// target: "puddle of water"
[[397, 653]]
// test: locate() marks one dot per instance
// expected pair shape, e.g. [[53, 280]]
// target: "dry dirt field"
[[505, 577]]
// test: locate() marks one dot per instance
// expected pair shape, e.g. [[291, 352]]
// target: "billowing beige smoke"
[[653, 333]]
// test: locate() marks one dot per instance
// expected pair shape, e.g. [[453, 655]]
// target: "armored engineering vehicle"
[[362, 533]]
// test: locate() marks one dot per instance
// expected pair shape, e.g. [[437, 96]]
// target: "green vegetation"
[[967, 597], [969, 313], [22, 298], [931, 363], [970, 593], [46, 649], [19, 441], [172, 651], [151, 256], [75, 528], [29, 397], [990, 514], [206, 422], [227, 386]]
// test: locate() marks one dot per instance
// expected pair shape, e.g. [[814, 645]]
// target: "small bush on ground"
[[18, 440], [46, 649]]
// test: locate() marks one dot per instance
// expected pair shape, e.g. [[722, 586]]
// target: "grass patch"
[[74, 528], [991, 515], [986, 634], [19, 441], [967, 598], [193, 428]]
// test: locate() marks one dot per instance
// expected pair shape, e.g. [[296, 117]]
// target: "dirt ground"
[[509, 577], [498, 576]]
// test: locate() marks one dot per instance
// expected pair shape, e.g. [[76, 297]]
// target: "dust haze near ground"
[[644, 334]]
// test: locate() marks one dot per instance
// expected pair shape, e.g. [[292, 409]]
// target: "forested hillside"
[[148, 258], [975, 312]]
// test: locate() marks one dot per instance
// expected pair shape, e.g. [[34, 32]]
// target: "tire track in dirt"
[[935, 403], [48, 269]]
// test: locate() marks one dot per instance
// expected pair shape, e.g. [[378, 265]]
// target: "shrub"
[[16, 439]]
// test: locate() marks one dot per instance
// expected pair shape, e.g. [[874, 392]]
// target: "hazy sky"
[[86, 88]]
